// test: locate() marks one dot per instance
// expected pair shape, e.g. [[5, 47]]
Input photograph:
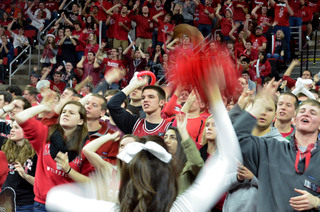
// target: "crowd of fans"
[[78, 107]]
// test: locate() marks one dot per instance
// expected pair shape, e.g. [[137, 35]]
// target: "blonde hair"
[[204, 132], [14, 152]]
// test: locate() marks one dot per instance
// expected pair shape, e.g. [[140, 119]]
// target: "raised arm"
[[141, 52], [254, 11], [127, 49], [62, 4], [234, 27], [10, 25], [80, 64], [155, 17], [293, 64], [90, 150], [191, 99], [218, 11], [272, 3], [27, 114], [290, 11], [246, 26], [109, 12], [195, 162]]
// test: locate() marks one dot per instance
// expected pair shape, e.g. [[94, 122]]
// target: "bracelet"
[[3, 110], [68, 171]]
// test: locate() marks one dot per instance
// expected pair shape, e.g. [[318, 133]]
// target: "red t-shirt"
[[81, 40], [143, 29], [52, 6], [258, 2], [59, 87], [111, 64], [162, 29], [257, 41], [281, 15], [226, 26], [238, 13], [204, 17], [102, 16], [195, 128], [253, 56], [265, 69], [111, 29], [93, 48], [260, 21], [119, 32], [296, 7], [238, 47], [306, 14], [314, 6]]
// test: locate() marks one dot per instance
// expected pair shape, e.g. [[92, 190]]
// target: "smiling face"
[[170, 138], [308, 118], [70, 117]]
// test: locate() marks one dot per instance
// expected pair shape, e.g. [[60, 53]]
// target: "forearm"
[[289, 70], [62, 40], [73, 41], [186, 107], [192, 153], [90, 151], [254, 12], [77, 177], [24, 115], [29, 179], [80, 64], [123, 119], [290, 11]]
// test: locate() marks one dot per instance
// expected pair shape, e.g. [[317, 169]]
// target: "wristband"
[[3, 110], [68, 170]]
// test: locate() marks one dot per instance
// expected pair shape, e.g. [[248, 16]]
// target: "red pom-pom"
[[194, 70]]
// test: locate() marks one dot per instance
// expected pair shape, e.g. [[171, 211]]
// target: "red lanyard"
[[307, 154]]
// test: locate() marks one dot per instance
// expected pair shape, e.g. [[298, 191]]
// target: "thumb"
[[300, 191]]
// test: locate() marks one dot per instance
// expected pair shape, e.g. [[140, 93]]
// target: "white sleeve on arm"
[[212, 180]]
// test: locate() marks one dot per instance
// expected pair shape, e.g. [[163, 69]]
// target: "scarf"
[[47, 53]]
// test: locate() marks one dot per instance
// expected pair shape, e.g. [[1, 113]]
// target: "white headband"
[[134, 148]]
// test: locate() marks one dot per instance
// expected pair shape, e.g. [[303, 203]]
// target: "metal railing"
[[296, 31], [304, 61], [315, 45], [26, 50], [208, 38]]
